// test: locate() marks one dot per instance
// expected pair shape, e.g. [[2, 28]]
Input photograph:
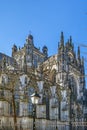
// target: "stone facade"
[[59, 80]]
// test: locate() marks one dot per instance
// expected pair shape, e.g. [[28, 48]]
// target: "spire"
[[62, 39], [82, 61], [71, 44], [74, 54], [82, 64], [61, 44], [71, 40], [78, 53], [29, 40]]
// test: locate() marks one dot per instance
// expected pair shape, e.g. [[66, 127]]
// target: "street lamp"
[[56, 120], [34, 98], [70, 111], [56, 125]]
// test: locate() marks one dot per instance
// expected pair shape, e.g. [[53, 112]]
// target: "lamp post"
[[34, 98], [70, 111], [56, 125], [56, 119]]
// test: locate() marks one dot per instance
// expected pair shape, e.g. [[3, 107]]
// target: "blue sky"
[[45, 19]]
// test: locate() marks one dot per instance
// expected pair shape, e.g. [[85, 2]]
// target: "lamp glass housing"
[[35, 98]]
